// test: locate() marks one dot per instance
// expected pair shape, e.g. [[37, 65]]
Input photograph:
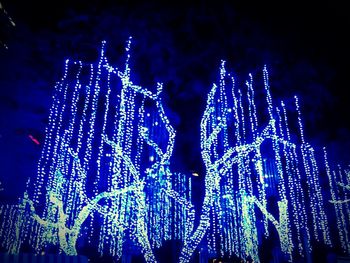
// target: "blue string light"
[[104, 176], [90, 169]]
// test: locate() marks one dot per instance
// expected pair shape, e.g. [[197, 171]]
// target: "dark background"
[[304, 45]]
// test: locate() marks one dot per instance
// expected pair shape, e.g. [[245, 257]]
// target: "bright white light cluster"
[[103, 176]]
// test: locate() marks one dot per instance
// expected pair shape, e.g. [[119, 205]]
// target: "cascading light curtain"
[[105, 178]]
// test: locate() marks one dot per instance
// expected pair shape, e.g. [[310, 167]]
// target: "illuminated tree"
[[247, 166], [104, 170], [104, 177]]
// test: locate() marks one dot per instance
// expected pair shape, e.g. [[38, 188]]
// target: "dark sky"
[[304, 45]]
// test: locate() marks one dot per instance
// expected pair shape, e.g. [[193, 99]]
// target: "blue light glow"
[[104, 177], [104, 169]]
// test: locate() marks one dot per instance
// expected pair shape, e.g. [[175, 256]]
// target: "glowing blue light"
[[104, 176], [92, 168]]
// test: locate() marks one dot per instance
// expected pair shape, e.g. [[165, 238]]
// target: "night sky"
[[305, 47]]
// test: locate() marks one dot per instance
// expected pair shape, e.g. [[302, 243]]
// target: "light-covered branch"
[[68, 236]]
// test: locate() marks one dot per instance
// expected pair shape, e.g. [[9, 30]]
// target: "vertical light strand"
[[251, 106], [334, 197], [297, 211]]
